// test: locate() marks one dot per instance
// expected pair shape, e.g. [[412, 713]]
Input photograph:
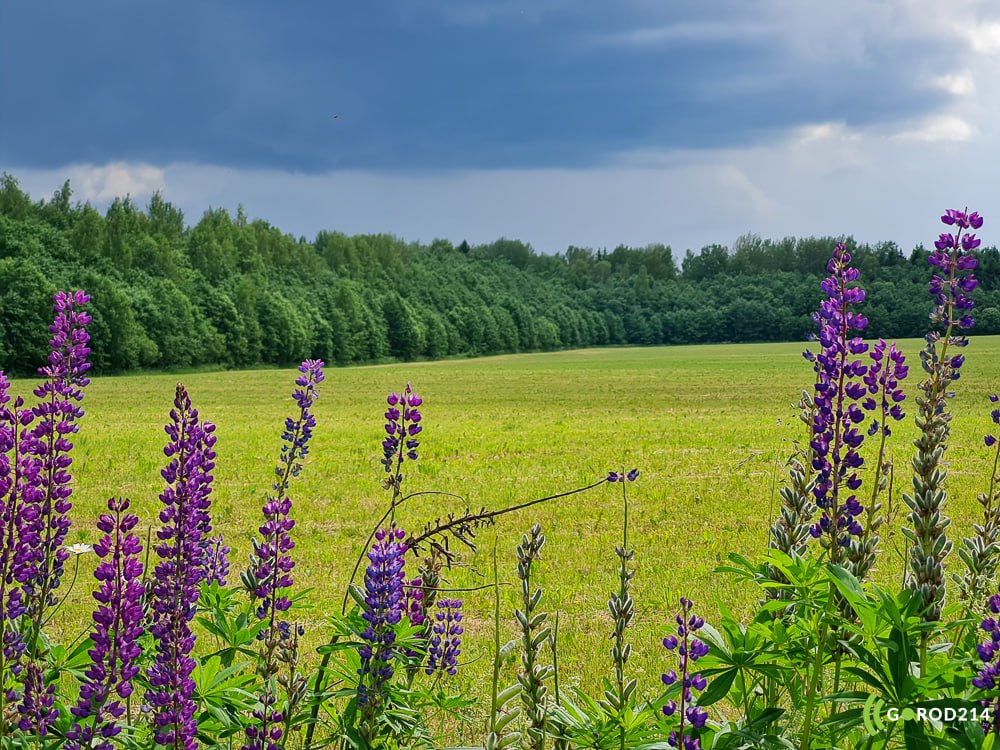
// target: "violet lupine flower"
[[991, 440], [616, 476], [883, 377], [836, 438], [11, 556], [298, 432], [414, 606], [402, 425], [46, 445], [215, 559], [384, 600], [988, 678], [265, 731], [689, 650], [953, 257], [445, 644], [175, 585], [954, 260], [118, 623], [271, 564], [36, 709]]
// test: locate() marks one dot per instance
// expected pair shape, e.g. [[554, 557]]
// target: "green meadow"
[[708, 426]]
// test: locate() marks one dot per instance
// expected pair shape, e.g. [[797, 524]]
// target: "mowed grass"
[[705, 425]]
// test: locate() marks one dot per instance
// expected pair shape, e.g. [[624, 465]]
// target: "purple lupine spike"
[[175, 586], [988, 677], [884, 377], [689, 650], [36, 707], [45, 457], [951, 286], [445, 643], [402, 425], [836, 438], [117, 625], [298, 432], [11, 596], [273, 563], [414, 606], [991, 440], [264, 732], [384, 601], [270, 575], [215, 558]]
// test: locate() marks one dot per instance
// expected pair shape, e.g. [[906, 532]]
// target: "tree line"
[[232, 292]]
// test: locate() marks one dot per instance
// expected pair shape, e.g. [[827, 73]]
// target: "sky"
[[558, 122]]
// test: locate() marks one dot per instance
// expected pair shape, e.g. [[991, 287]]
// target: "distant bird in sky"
[[336, 117]]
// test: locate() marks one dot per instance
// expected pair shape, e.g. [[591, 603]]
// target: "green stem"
[[817, 671], [496, 641]]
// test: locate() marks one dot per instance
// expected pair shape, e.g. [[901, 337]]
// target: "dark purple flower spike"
[[951, 287], [45, 458], [689, 649], [175, 586], [446, 641], [839, 386], [117, 625], [402, 426]]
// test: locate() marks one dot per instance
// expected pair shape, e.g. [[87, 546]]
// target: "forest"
[[232, 292]]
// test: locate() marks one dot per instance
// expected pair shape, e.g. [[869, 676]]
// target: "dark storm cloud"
[[448, 84]]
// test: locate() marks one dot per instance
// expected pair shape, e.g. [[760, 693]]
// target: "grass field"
[[704, 424]]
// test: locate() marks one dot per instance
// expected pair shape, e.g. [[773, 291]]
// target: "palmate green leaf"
[[74, 662], [215, 685]]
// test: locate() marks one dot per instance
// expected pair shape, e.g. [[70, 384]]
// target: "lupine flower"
[[988, 677], [883, 379], [402, 425], [950, 287], [414, 606], [215, 558], [384, 602], [991, 440], [274, 564], [885, 397], [446, 639], [175, 585], [616, 476], [46, 445], [11, 556], [117, 624], [271, 564], [36, 707], [836, 438], [298, 432], [689, 650], [265, 732]]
